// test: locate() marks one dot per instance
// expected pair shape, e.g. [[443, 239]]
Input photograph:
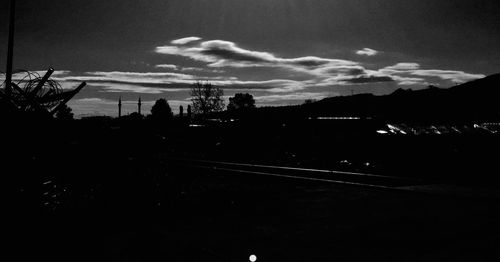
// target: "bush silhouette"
[[240, 102], [161, 110], [64, 113]]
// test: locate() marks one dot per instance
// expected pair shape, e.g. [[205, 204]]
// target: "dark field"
[[102, 193], [225, 217]]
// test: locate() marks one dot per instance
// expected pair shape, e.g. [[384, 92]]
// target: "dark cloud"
[[369, 79], [310, 61], [356, 71]]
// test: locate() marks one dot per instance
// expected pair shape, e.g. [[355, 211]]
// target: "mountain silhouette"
[[472, 101], [475, 100]]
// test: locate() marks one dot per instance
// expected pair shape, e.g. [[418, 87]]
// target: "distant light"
[[392, 127], [253, 258], [339, 118], [382, 132]]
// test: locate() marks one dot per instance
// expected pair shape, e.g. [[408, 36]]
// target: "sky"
[[280, 51]]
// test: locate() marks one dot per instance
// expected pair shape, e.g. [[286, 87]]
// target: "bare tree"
[[206, 98]]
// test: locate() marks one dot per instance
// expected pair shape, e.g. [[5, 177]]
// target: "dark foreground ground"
[[203, 215], [93, 193]]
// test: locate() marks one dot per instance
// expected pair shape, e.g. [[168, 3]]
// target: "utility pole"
[[10, 48]]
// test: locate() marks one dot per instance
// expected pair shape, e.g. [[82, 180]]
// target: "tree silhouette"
[[65, 113], [206, 98], [309, 101], [240, 102], [161, 110]]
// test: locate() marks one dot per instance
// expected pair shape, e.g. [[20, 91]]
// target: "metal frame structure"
[[38, 94]]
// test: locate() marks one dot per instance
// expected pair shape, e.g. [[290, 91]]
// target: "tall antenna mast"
[[120, 107], [139, 106], [10, 48]]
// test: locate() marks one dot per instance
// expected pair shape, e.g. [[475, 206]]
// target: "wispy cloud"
[[188, 69], [367, 52], [23, 75], [292, 98], [167, 66], [454, 76], [199, 69], [409, 81], [402, 67], [137, 78], [185, 40], [156, 83], [220, 53], [124, 88], [93, 100], [414, 69], [274, 86]]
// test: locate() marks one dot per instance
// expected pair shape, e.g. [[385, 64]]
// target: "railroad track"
[[329, 176]]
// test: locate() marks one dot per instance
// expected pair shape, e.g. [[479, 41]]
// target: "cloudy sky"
[[280, 51]]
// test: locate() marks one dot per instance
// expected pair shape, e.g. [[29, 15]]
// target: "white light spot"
[[253, 258]]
